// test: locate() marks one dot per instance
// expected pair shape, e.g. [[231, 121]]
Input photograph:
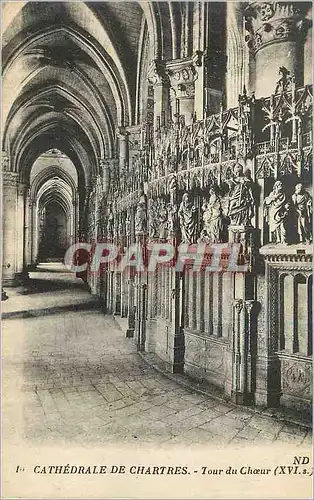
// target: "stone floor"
[[70, 374]]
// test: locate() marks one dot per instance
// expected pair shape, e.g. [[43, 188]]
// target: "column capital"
[[157, 74], [9, 179], [22, 188], [270, 22], [122, 132], [182, 76]]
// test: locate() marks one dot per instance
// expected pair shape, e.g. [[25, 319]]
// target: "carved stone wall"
[[241, 176]]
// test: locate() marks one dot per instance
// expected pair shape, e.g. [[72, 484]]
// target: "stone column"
[[158, 77], [33, 211], [199, 98], [276, 33], [12, 229], [242, 387], [131, 312], [74, 225], [21, 193], [124, 295], [142, 316], [176, 330], [182, 75], [239, 384], [105, 169], [235, 75], [27, 230], [123, 149]]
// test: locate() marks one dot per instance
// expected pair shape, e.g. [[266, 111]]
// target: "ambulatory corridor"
[[164, 150], [80, 380]]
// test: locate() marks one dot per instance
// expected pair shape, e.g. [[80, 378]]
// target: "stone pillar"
[[21, 193], [177, 334], [182, 75], [158, 77], [199, 98], [74, 226], [239, 381], [131, 311], [34, 232], [242, 387], [12, 229], [235, 75], [123, 148], [276, 33], [124, 295], [105, 169], [27, 230], [142, 315]]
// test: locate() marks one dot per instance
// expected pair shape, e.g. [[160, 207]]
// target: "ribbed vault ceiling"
[[69, 79]]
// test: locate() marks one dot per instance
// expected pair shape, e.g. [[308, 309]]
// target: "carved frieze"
[[288, 257]]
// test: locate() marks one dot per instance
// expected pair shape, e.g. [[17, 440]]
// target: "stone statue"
[[240, 199], [110, 224], [276, 210], [162, 218], [284, 81], [121, 225], [153, 219], [212, 219], [157, 218], [128, 225], [141, 217], [302, 203], [115, 225], [172, 224], [187, 217]]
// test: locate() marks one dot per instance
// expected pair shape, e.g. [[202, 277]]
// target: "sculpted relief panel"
[[297, 378]]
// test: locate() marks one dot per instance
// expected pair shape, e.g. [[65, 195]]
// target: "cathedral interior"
[[171, 122]]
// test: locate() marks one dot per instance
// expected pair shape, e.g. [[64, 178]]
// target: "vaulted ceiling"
[[69, 78]]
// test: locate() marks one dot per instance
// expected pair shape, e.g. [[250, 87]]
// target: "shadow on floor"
[[36, 285], [33, 313]]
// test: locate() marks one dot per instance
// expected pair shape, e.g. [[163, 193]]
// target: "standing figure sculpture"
[[153, 218], [240, 199], [128, 225], [121, 225], [302, 203], [172, 219], [110, 223], [162, 219], [284, 81], [212, 219], [276, 210], [188, 222], [141, 217]]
